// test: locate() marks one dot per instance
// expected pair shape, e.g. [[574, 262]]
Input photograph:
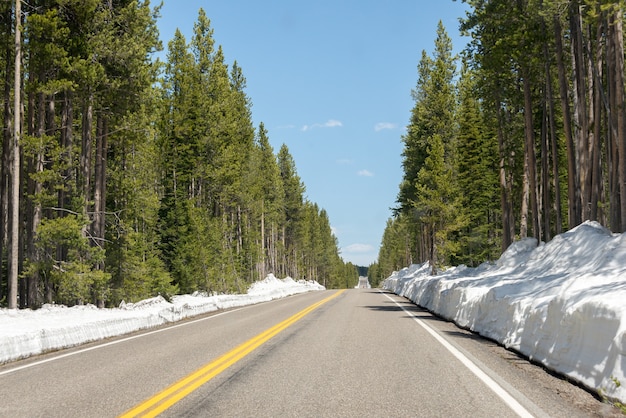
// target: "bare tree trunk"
[[555, 161], [523, 222], [596, 167], [67, 120], [505, 191], [544, 207], [618, 91], [580, 110], [530, 153], [612, 136], [85, 156], [15, 190], [573, 188], [6, 151], [264, 250], [550, 149], [100, 181]]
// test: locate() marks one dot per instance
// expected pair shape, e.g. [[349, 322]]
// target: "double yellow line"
[[165, 399]]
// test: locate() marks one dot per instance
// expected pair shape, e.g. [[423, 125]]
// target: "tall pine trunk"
[[86, 149], [573, 189], [581, 121], [618, 93], [506, 204], [37, 128], [15, 183], [530, 154], [98, 225], [6, 148], [596, 214]]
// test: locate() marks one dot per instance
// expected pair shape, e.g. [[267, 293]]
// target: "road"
[[354, 353], [363, 283]]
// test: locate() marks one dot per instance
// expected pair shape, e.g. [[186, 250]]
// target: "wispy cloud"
[[358, 248], [365, 173], [384, 125], [331, 123]]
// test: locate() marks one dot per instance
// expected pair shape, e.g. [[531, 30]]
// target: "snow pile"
[[24, 333], [562, 303], [272, 288]]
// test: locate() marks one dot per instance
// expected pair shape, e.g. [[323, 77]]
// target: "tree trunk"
[[98, 225], [573, 188], [612, 136], [581, 121], [555, 161], [530, 154], [6, 149], [618, 93], [264, 250], [505, 190], [523, 222], [66, 141], [15, 189], [33, 207], [85, 156], [596, 168], [544, 207]]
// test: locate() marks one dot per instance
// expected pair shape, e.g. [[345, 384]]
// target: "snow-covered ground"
[[562, 303], [24, 333]]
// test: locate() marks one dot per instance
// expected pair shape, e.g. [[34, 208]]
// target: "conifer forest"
[[124, 176], [522, 134]]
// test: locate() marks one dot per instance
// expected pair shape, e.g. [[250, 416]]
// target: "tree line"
[[123, 176], [524, 135]]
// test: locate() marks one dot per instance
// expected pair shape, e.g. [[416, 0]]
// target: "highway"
[[352, 353]]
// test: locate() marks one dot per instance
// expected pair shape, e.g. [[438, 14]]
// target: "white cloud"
[[365, 173], [358, 248], [330, 123], [384, 125]]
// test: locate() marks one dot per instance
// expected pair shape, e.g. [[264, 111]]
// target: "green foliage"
[[148, 178], [447, 202], [75, 278]]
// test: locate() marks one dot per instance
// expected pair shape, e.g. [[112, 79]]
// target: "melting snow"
[[562, 303]]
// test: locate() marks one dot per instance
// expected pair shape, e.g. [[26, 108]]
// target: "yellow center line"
[[163, 400]]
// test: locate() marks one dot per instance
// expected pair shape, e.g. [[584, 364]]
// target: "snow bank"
[[24, 333], [562, 304]]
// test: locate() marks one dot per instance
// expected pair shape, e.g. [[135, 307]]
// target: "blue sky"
[[332, 80]]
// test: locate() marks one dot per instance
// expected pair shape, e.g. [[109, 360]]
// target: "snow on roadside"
[[562, 303], [26, 332]]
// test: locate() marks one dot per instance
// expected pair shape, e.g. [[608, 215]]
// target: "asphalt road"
[[362, 353]]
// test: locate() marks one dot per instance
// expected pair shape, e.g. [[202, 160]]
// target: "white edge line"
[[98, 346], [491, 384]]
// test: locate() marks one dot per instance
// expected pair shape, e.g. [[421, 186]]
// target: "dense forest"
[[523, 135], [123, 176]]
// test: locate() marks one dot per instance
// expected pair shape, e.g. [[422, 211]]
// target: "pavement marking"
[[163, 400], [509, 400], [98, 346]]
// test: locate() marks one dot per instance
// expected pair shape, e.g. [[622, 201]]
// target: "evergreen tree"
[[428, 194], [293, 189], [477, 178]]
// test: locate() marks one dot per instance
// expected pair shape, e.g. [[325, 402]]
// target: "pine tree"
[[477, 178], [428, 173], [293, 189]]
